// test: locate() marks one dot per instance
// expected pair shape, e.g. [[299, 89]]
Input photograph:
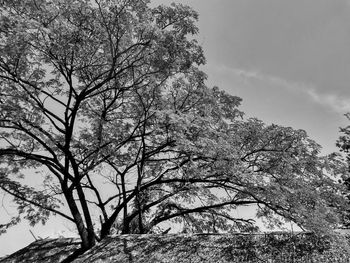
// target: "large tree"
[[103, 102]]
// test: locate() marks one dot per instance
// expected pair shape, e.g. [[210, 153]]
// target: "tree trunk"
[[88, 220], [86, 240]]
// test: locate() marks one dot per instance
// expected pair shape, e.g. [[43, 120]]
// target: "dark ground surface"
[[209, 248]]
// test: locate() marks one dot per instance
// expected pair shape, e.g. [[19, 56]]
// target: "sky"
[[288, 60]]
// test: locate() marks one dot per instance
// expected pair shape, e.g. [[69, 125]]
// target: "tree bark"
[[86, 240], [87, 216]]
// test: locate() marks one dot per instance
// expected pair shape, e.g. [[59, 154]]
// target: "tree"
[[343, 144], [105, 103]]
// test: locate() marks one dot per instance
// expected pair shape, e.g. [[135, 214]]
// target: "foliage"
[[105, 101], [343, 144]]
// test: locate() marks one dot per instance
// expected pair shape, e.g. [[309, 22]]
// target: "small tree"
[[104, 102], [343, 144]]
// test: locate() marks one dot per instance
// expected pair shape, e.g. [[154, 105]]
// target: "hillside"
[[273, 247]]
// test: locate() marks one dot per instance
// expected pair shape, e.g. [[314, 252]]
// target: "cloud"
[[335, 102], [332, 101]]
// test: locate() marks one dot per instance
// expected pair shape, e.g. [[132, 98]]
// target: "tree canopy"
[[104, 103], [343, 144]]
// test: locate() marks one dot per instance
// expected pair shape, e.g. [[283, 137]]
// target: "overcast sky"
[[288, 59]]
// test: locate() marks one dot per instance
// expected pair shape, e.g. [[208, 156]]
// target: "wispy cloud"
[[333, 101]]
